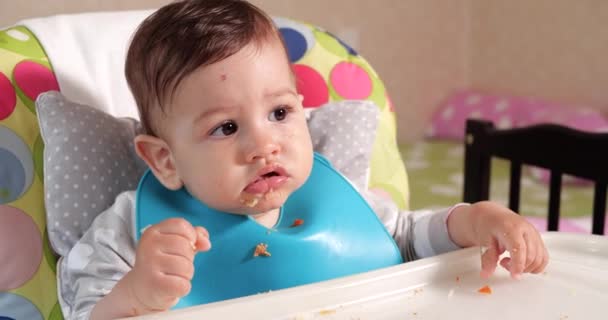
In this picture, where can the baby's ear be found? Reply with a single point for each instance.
(157, 155)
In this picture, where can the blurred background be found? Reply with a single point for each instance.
(428, 51)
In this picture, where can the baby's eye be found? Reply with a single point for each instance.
(225, 129)
(278, 114)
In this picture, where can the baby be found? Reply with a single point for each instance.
(223, 121)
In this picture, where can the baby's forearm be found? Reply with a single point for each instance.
(116, 304)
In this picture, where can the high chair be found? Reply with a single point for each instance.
(82, 56)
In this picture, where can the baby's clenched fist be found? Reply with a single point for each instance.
(164, 264)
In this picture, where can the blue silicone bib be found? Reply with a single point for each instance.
(340, 235)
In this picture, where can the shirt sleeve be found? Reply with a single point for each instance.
(104, 254)
(418, 234)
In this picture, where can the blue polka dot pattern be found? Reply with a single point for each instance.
(348, 48)
(16, 166)
(12, 176)
(295, 42)
(299, 38)
(15, 307)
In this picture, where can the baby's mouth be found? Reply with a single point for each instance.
(269, 178)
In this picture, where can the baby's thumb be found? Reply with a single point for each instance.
(202, 239)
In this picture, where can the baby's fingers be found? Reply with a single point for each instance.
(489, 260)
(544, 263)
(533, 255)
(538, 261)
(202, 239)
(178, 226)
(518, 251)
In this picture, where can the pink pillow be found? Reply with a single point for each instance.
(508, 112)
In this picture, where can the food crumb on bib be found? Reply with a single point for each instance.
(261, 250)
(297, 222)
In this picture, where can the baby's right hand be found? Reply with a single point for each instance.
(164, 264)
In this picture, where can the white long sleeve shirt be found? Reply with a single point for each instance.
(106, 252)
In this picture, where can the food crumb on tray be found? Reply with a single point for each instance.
(485, 290)
(326, 312)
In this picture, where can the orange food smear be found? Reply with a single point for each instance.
(485, 290)
(261, 250)
(297, 222)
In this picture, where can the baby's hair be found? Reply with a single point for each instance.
(182, 37)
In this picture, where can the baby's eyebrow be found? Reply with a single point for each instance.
(211, 111)
(281, 92)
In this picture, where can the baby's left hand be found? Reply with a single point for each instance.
(499, 229)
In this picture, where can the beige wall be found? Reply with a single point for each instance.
(417, 46)
(555, 49)
(424, 49)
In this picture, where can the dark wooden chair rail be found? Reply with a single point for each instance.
(560, 149)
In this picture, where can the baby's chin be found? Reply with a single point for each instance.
(260, 203)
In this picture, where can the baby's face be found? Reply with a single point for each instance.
(237, 132)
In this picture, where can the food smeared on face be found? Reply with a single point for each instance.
(250, 202)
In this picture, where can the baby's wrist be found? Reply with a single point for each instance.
(136, 305)
(461, 225)
(454, 208)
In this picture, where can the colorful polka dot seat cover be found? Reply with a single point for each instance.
(326, 68)
(27, 276)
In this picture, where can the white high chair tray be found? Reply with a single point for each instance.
(574, 286)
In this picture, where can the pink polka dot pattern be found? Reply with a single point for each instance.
(351, 81)
(311, 85)
(8, 99)
(20, 262)
(33, 79)
(389, 102)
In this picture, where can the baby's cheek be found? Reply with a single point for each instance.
(211, 186)
(300, 133)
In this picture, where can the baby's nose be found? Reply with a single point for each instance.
(263, 145)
